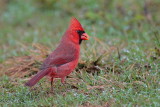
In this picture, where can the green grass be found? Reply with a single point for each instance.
(131, 79)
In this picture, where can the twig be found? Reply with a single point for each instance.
(119, 55)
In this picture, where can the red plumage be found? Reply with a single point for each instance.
(63, 60)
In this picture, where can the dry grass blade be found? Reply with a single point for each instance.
(101, 87)
(96, 65)
(29, 65)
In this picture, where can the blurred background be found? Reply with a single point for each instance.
(44, 21)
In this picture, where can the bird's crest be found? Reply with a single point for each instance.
(75, 24)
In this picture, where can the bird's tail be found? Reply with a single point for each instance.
(37, 77)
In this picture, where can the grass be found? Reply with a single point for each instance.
(124, 36)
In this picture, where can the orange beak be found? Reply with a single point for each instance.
(84, 36)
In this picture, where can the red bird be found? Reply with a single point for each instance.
(63, 60)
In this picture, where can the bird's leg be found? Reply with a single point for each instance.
(63, 80)
(51, 74)
(51, 84)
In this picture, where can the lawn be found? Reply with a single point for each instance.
(119, 65)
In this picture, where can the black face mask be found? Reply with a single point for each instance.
(80, 32)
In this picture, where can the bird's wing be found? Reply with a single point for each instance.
(62, 54)
(52, 61)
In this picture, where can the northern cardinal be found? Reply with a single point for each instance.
(63, 60)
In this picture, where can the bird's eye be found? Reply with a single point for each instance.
(80, 32)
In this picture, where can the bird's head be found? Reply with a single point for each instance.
(76, 32)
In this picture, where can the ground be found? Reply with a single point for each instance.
(119, 65)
